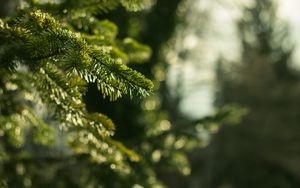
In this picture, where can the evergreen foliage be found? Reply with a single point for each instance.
(51, 53)
(50, 58)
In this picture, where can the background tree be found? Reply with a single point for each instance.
(262, 150)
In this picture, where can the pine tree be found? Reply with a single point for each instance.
(49, 52)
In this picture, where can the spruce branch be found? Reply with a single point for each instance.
(73, 53)
(58, 63)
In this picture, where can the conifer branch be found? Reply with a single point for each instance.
(45, 56)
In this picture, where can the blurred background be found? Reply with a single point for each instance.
(207, 56)
(244, 53)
